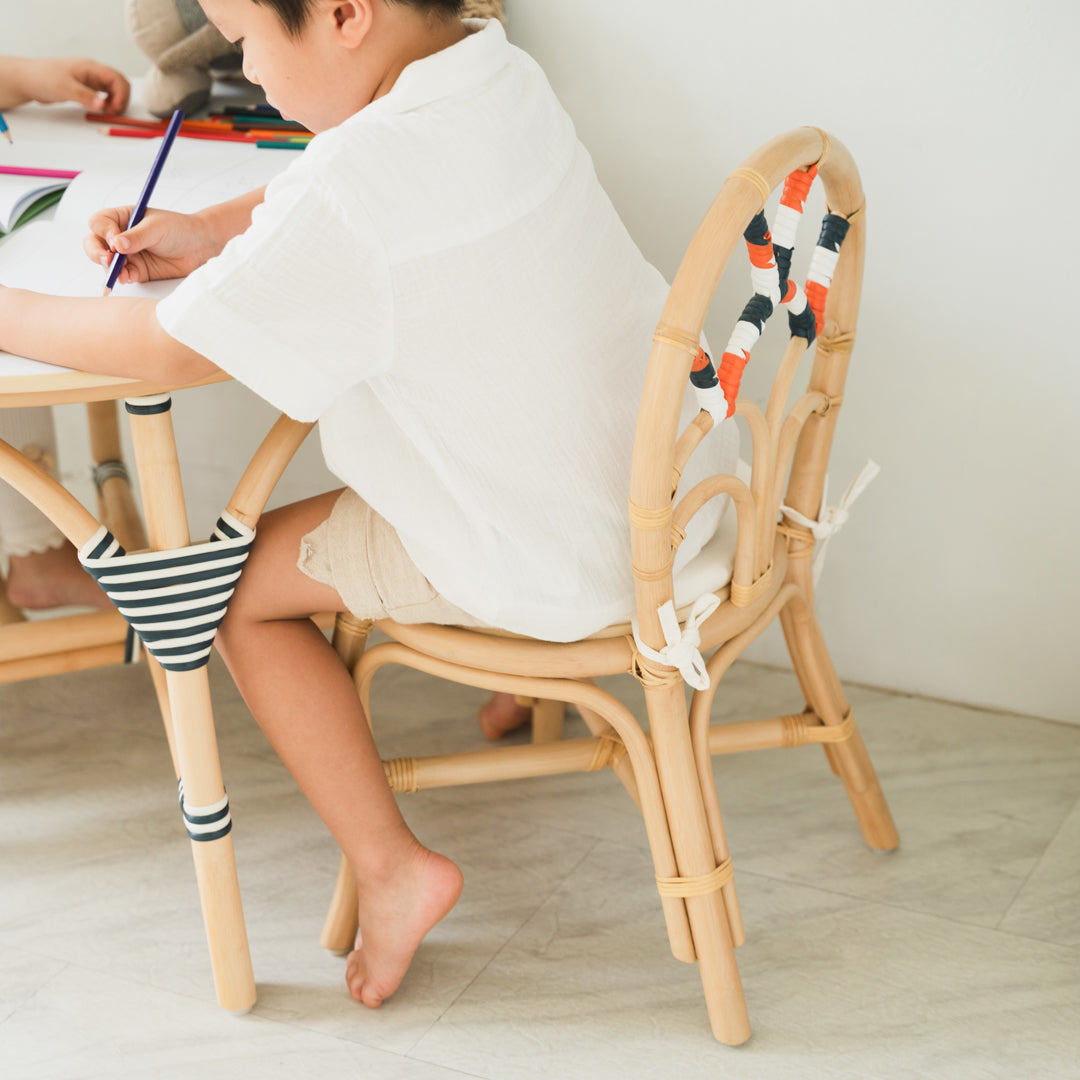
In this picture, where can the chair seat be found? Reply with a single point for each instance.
(607, 652)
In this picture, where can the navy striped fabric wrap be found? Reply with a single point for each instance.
(206, 823)
(174, 600)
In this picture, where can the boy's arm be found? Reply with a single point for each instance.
(116, 335)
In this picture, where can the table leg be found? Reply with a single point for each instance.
(205, 802)
(116, 505)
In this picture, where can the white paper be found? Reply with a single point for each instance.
(47, 255)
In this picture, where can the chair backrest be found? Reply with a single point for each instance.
(800, 438)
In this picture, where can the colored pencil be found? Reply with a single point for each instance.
(269, 127)
(20, 170)
(224, 136)
(144, 196)
(4, 129)
(247, 110)
(239, 123)
(282, 144)
(213, 136)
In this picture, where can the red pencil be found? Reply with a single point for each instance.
(143, 133)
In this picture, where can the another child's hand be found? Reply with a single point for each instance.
(90, 84)
(163, 245)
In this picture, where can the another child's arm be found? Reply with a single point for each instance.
(93, 85)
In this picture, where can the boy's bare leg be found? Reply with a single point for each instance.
(52, 578)
(304, 700)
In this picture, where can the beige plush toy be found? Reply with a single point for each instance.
(188, 52)
(483, 9)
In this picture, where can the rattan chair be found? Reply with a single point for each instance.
(668, 771)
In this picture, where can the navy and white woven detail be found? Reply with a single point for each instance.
(205, 823)
(148, 406)
(174, 600)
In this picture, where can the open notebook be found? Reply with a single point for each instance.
(47, 255)
(23, 197)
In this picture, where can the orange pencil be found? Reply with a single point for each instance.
(218, 136)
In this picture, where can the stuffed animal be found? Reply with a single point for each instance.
(188, 53)
(483, 9)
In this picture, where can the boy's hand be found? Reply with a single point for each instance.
(166, 244)
(90, 84)
(163, 245)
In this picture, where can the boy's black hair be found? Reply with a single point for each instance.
(294, 13)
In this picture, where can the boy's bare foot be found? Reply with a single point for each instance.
(502, 714)
(52, 578)
(395, 915)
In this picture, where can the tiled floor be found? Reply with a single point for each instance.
(956, 957)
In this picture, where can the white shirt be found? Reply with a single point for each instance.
(442, 282)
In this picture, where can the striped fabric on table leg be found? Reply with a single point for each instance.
(174, 600)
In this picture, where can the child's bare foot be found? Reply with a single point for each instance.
(395, 915)
(502, 714)
(52, 578)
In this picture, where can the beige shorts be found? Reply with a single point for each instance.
(358, 552)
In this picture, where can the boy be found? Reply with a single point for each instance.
(475, 363)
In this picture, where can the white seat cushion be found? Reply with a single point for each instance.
(711, 568)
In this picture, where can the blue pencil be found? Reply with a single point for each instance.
(118, 260)
(4, 128)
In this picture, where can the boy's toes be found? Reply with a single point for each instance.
(362, 988)
(354, 974)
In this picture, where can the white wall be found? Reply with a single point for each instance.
(71, 28)
(953, 577)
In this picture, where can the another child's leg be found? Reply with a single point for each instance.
(304, 700)
(501, 714)
(43, 569)
(52, 578)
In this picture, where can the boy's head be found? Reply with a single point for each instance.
(320, 61)
(294, 13)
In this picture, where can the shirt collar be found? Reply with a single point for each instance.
(464, 65)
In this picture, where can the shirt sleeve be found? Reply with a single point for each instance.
(298, 307)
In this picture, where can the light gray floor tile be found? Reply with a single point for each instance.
(101, 874)
(976, 798)
(554, 963)
(505, 883)
(22, 975)
(836, 986)
(81, 1025)
(1048, 906)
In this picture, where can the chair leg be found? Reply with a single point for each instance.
(696, 860)
(849, 759)
(702, 702)
(339, 929)
(547, 721)
(341, 924)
